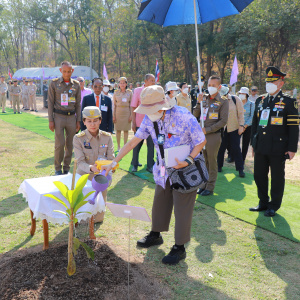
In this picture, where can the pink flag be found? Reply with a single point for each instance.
(9, 74)
(105, 72)
(234, 72)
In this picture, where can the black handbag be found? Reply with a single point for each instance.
(187, 179)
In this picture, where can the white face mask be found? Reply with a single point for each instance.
(212, 90)
(185, 91)
(242, 96)
(106, 89)
(156, 116)
(271, 88)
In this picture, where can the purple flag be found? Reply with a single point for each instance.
(234, 72)
(105, 72)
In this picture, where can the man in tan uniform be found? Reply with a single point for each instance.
(25, 95)
(184, 98)
(32, 94)
(64, 115)
(92, 144)
(3, 91)
(10, 84)
(15, 94)
(215, 116)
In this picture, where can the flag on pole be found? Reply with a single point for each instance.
(157, 72)
(105, 72)
(234, 72)
(9, 74)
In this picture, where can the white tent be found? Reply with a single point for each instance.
(50, 73)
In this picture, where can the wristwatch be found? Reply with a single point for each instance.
(113, 164)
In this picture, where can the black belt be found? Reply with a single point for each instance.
(64, 112)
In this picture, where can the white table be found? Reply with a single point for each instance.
(42, 207)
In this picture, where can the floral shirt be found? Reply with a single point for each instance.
(180, 127)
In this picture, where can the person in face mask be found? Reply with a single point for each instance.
(215, 116)
(176, 126)
(195, 91)
(274, 139)
(184, 99)
(103, 102)
(171, 91)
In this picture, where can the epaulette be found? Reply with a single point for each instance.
(76, 81)
(55, 79)
(287, 95)
(80, 134)
(105, 133)
(224, 97)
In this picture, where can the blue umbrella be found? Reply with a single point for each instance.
(181, 12)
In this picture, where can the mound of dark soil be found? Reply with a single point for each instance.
(43, 275)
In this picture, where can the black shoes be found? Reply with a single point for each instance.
(230, 159)
(134, 169)
(241, 174)
(219, 169)
(149, 170)
(270, 212)
(149, 240)
(65, 172)
(176, 254)
(200, 191)
(206, 193)
(139, 165)
(58, 172)
(258, 208)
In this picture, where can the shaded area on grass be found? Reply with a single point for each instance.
(12, 205)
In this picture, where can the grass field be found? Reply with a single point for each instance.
(227, 258)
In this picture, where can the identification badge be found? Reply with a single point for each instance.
(124, 99)
(264, 118)
(276, 120)
(161, 139)
(204, 114)
(162, 171)
(64, 99)
(104, 108)
(213, 116)
(87, 145)
(72, 99)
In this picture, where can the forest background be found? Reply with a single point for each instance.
(36, 33)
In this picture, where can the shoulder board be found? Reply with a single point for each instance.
(105, 133)
(80, 134)
(287, 96)
(76, 81)
(55, 79)
(224, 97)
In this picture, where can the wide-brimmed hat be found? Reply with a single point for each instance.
(171, 86)
(224, 90)
(153, 99)
(244, 90)
(106, 82)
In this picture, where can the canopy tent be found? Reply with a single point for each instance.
(50, 73)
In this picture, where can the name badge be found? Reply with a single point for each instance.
(124, 99)
(204, 114)
(264, 117)
(162, 171)
(213, 116)
(276, 120)
(104, 108)
(161, 139)
(64, 99)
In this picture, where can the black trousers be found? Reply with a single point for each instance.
(150, 153)
(262, 164)
(235, 149)
(246, 141)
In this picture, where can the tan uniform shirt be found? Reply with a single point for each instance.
(88, 149)
(3, 87)
(184, 101)
(25, 90)
(72, 91)
(15, 90)
(216, 113)
(236, 114)
(32, 90)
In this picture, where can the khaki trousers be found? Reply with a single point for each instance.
(16, 101)
(3, 101)
(32, 102)
(211, 154)
(164, 201)
(63, 144)
(25, 99)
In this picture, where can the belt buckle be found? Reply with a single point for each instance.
(69, 113)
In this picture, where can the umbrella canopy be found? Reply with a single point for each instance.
(50, 73)
(181, 12)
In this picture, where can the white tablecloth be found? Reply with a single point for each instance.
(43, 207)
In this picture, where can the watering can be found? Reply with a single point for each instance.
(100, 183)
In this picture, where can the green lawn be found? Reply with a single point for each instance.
(227, 258)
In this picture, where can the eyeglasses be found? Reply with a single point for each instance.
(254, 90)
(81, 81)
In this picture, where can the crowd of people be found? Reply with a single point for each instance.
(210, 120)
